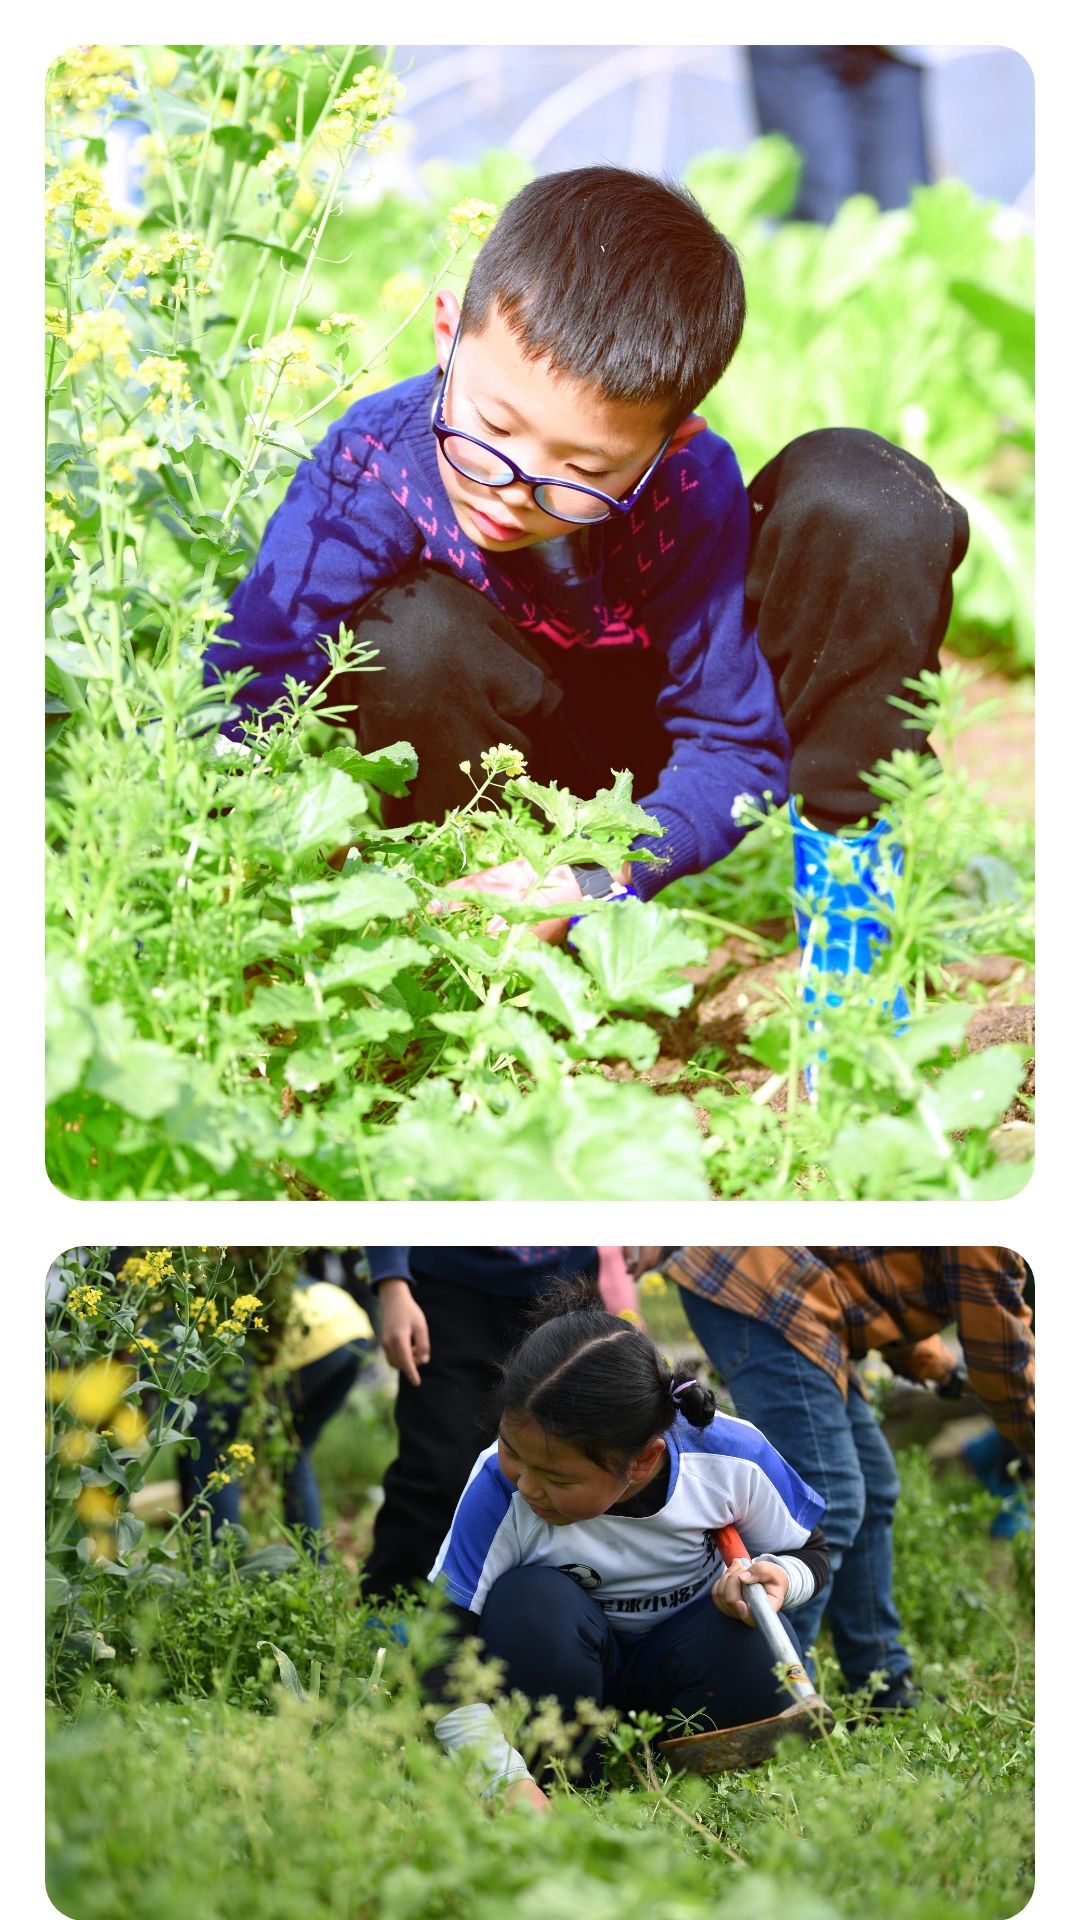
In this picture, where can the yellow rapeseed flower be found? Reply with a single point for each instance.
(56, 322)
(97, 1506)
(122, 456)
(88, 78)
(652, 1285)
(77, 192)
(289, 358)
(128, 1426)
(503, 759)
(241, 1453)
(245, 1305)
(96, 1391)
(99, 336)
(340, 323)
(58, 522)
(84, 1301)
(470, 219)
(361, 109)
(204, 1310)
(167, 380)
(402, 291)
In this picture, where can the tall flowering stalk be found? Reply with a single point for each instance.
(188, 202)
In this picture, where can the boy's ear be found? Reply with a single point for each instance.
(686, 430)
(447, 315)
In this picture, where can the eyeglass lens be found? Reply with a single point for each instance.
(484, 465)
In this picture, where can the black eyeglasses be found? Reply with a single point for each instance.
(475, 460)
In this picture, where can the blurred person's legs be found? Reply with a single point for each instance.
(839, 1450)
(214, 1427)
(856, 115)
(315, 1394)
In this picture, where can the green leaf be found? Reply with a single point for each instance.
(290, 1679)
(69, 1033)
(73, 658)
(882, 1155)
(977, 1091)
(371, 963)
(632, 952)
(129, 1531)
(140, 1076)
(278, 1558)
(286, 254)
(391, 769)
(629, 1040)
(316, 807)
(1013, 324)
(350, 903)
(559, 988)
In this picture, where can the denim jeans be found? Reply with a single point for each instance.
(840, 1451)
(855, 113)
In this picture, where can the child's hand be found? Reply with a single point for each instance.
(517, 880)
(403, 1329)
(727, 1590)
(526, 1793)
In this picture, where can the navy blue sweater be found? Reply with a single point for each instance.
(514, 1271)
(370, 505)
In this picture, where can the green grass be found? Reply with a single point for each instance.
(191, 1782)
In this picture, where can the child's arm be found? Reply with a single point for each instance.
(719, 707)
(336, 537)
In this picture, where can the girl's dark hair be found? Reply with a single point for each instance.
(595, 1380)
(620, 279)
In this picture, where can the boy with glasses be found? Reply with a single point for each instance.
(550, 550)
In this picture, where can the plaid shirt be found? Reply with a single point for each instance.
(836, 1303)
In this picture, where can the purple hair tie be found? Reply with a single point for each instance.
(675, 1391)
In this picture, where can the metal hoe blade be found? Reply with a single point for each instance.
(733, 1748)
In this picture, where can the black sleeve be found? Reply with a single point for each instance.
(815, 1555)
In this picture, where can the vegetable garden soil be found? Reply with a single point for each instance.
(733, 986)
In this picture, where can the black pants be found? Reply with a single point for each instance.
(854, 545)
(442, 1425)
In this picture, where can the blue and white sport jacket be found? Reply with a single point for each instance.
(638, 1568)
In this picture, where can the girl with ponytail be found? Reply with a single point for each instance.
(583, 1550)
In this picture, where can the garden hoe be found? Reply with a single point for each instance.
(737, 1747)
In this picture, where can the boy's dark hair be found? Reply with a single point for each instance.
(620, 279)
(595, 1380)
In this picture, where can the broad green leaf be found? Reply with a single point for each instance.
(933, 1034)
(371, 963)
(351, 902)
(140, 1076)
(69, 1032)
(559, 988)
(283, 1005)
(632, 952)
(882, 1156)
(629, 1040)
(977, 1091)
(391, 769)
(314, 807)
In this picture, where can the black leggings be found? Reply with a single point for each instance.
(854, 545)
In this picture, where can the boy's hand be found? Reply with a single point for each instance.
(403, 1329)
(517, 880)
(728, 1589)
